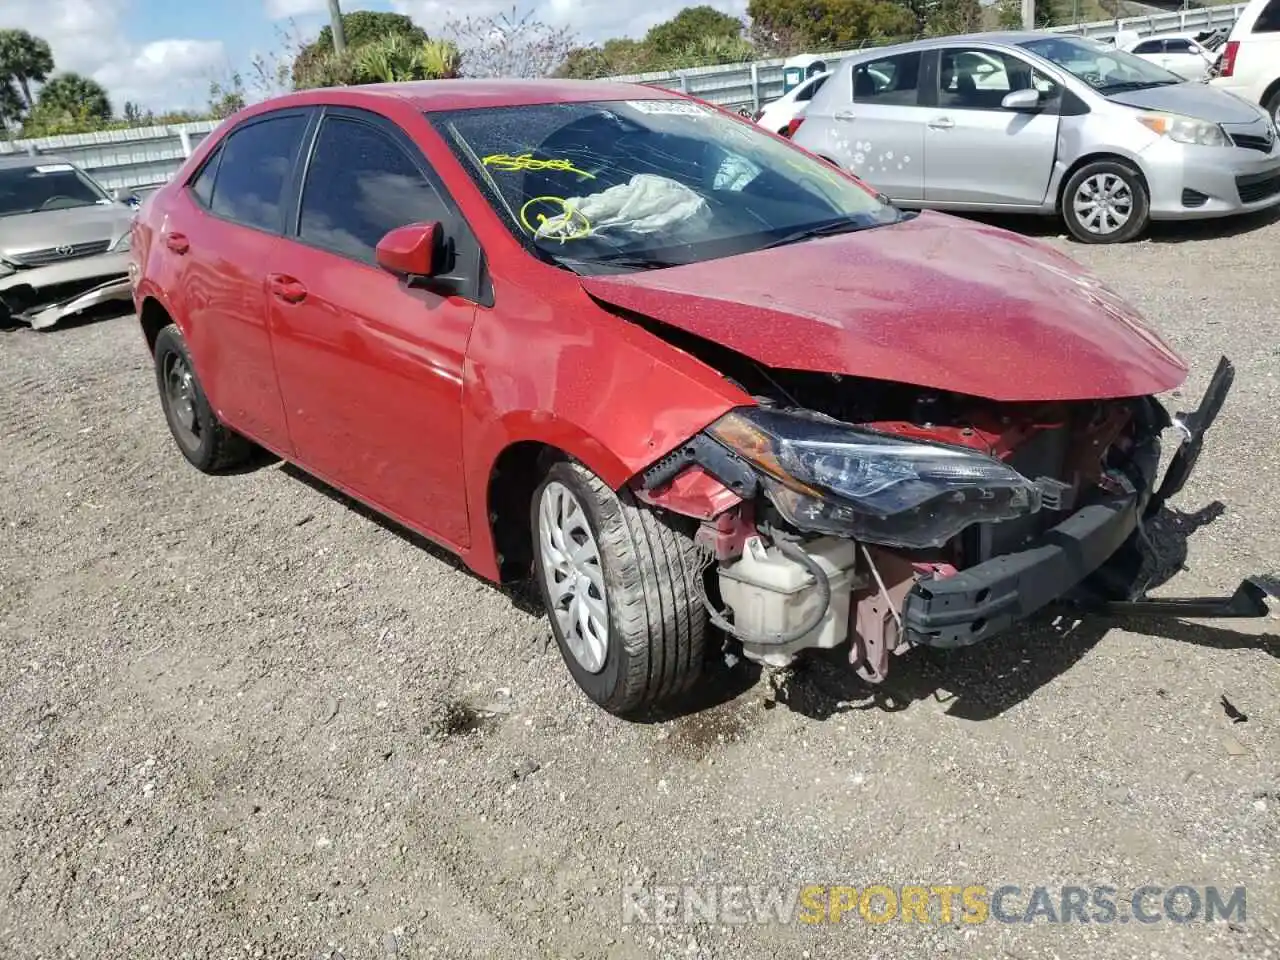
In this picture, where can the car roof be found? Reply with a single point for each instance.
(1005, 38)
(430, 95)
(26, 161)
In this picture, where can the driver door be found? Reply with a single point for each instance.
(977, 152)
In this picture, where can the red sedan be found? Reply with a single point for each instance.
(704, 387)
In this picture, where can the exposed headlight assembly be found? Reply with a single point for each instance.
(1182, 129)
(831, 478)
(122, 243)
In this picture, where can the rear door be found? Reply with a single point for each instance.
(221, 237)
(878, 129)
(977, 152)
(371, 368)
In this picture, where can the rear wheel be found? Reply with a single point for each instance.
(201, 436)
(1106, 202)
(622, 589)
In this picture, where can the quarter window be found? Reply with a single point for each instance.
(1149, 46)
(1269, 19)
(360, 185)
(892, 81)
(202, 185)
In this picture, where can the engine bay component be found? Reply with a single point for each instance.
(780, 604)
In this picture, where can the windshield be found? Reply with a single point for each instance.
(53, 186)
(1103, 67)
(643, 184)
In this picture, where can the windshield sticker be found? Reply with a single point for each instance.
(527, 161)
(54, 168)
(667, 106)
(566, 222)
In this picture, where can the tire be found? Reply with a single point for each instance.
(649, 647)
(203, 439)
(1272, 106)
(1123, 193)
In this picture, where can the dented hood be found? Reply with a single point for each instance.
(934, 301)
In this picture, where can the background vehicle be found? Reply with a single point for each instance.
(1250, 63)
(64, 241)
(1178, 53)
(1063, 125)
(777, 116)
(540, 323)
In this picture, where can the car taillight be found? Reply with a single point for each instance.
(792, 127)
(1228, 67)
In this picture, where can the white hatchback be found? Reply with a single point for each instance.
(777, 115)
(1178, 53)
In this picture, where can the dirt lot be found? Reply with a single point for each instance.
(241, 718)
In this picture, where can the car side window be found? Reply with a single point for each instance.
(1149, 46)
(1179, 46)
(360, 185)
(981, 79)
(202, 185)
(808, 92)
(892, 81)
(1269, 19)
(253, 172)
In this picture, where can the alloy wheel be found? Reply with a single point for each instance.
(573, 575)
(1103, 203)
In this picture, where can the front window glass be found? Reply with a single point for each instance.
(1104, 68)
(981, 79)
(50, 186)
(638, 184)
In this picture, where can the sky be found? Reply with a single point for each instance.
(162, 54)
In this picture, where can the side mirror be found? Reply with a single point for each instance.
(411, 251)
(1021, 100)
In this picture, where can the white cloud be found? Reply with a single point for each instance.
(284, 9)
(88, 37)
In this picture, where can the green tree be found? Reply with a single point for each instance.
(949, 17)
(74, 95)
(24, 60)
(618, 57)
(315, 60)
(690, 27)
(819, 25)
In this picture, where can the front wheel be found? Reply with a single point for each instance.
(1106, 202)
(622, 588)
(1273, 107)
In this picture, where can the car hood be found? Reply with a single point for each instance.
(52, 228)
(934, 301)
(1197, 100)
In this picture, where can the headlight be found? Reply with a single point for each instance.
(833, 478)
(1185, 129)
(122, 243)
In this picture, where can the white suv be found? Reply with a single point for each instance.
(1250, 64)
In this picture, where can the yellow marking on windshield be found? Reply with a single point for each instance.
(527, 161)
(576, 225)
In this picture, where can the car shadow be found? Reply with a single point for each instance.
(1163, 231)
(984, 681)
(522, 595)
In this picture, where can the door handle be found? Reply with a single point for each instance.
(845, 115)
(286, 288)
(941, 123)
(177, 242)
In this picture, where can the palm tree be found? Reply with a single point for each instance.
(74, 95)
(24, 60)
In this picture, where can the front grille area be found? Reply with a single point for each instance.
(1250, 142)
(70, 251)
(1259, 186)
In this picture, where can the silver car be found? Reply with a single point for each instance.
(1043, 123)
(64, 241)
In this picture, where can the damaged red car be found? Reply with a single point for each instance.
(703, 387)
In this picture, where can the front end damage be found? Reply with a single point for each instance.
(847, 513)
(42, 292)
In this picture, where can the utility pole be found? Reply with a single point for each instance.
(340, 36)
(1028, 13)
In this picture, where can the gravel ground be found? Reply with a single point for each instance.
(241, 718)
